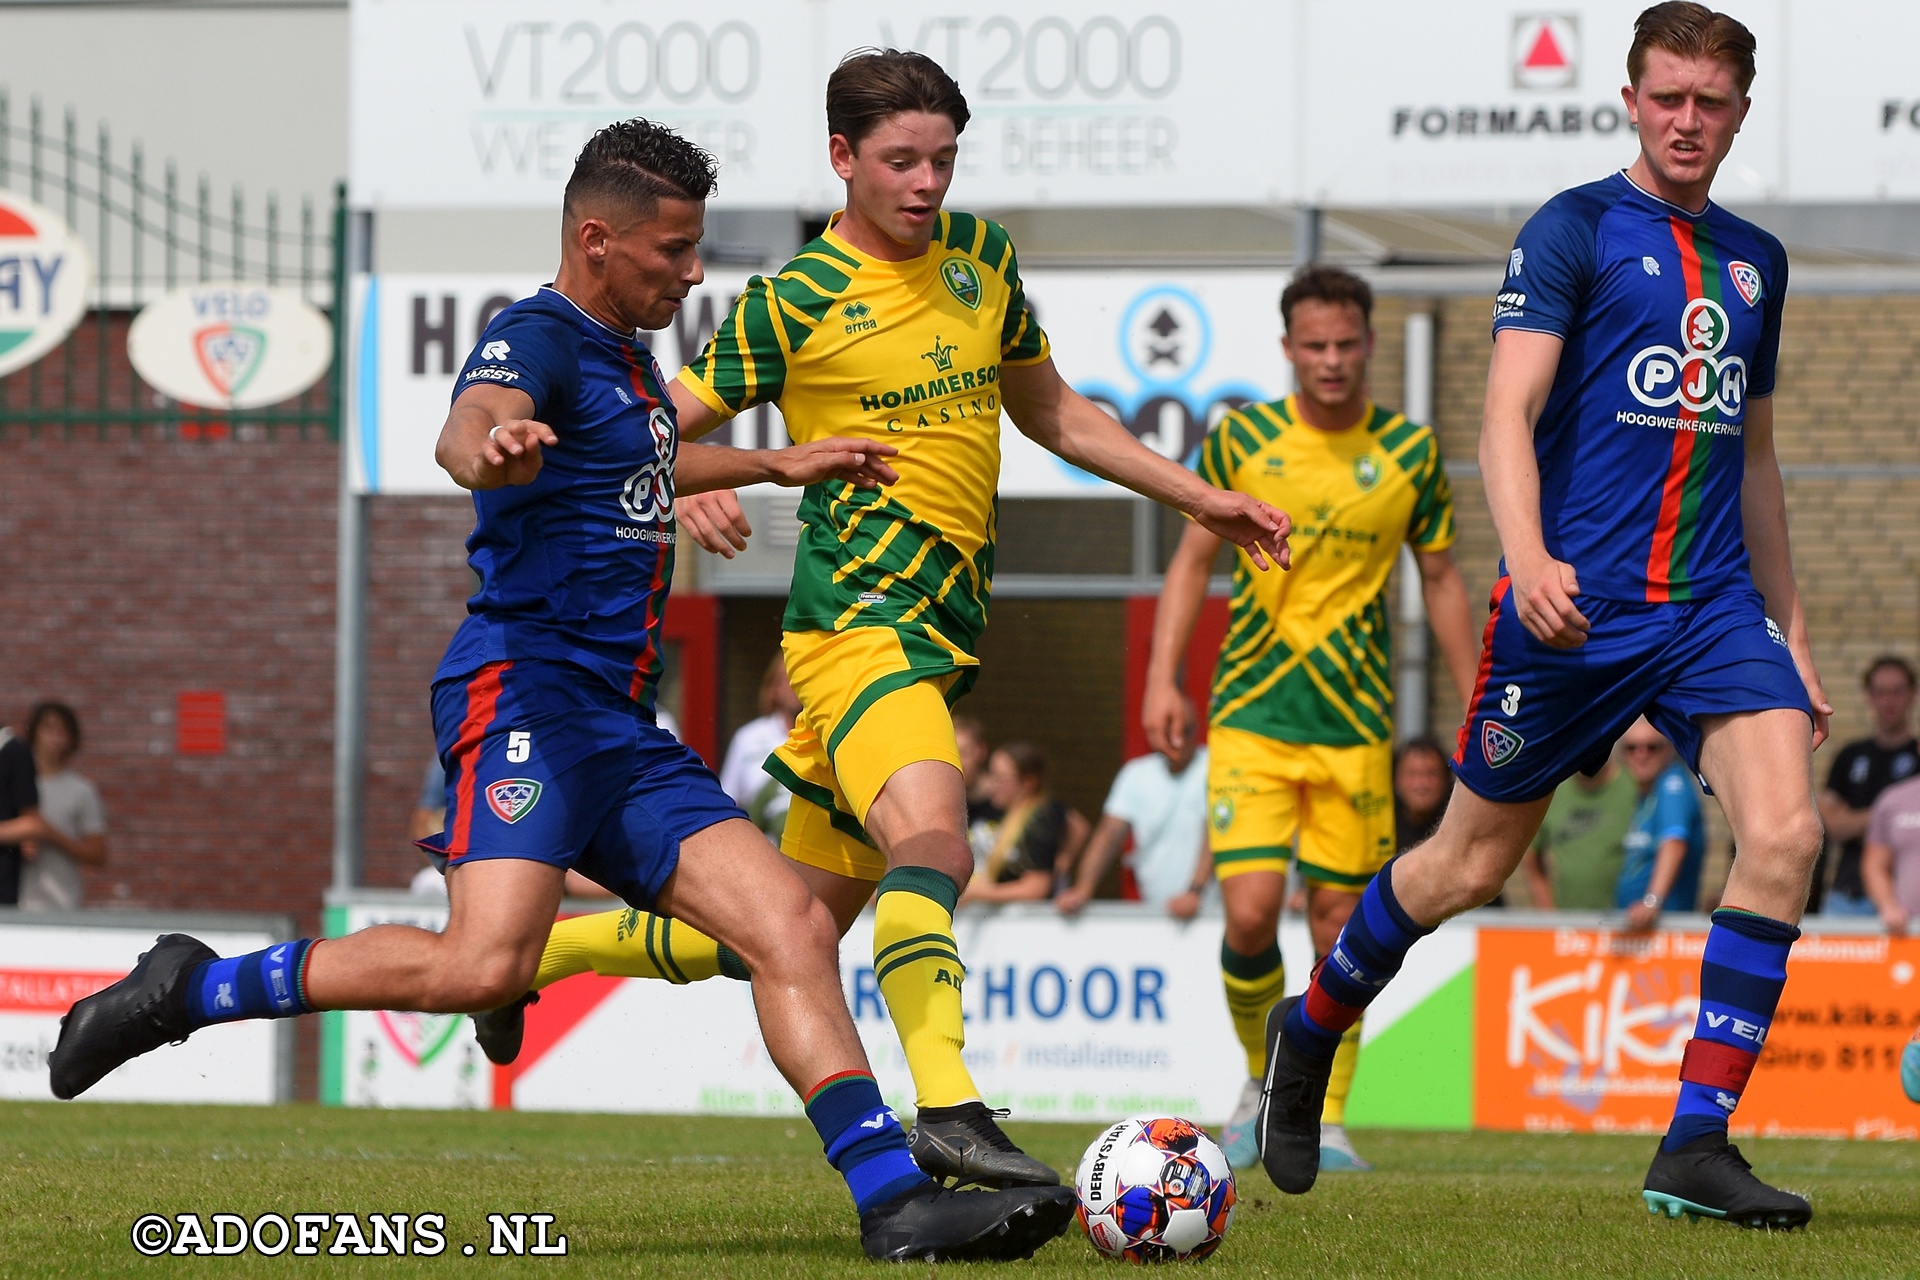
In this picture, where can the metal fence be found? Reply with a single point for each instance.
(147, 239)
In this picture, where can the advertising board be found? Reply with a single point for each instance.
(1165, 352)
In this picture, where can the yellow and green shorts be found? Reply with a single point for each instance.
(872, 701)
(1264, 795)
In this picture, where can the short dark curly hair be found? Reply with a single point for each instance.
(1320, 283)
(638, 163)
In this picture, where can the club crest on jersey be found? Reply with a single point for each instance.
(513, 798)
(1498, 743)
(1746, 278)
(962, 281)
(1366, 471)
(1222, 813)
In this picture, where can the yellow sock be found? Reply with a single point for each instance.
(1254, 985)
(918, 968)
(633, 944)
(1345, 1059)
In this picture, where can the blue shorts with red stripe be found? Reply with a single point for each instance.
(1541, 714)
(547, 762)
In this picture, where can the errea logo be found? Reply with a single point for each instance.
(859, 317)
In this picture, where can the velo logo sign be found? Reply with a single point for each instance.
(1697, 377)
(231, 346)
(45, 276)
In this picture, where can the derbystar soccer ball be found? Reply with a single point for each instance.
(1155, 1189)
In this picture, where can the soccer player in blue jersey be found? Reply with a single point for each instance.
(1628, 453)
(543, 706)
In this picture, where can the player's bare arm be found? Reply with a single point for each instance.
(702, 468)
(491, 440)
(1062, 420)
(1450, 615)
(1521, 376)
(1165, 712)
(1763, 516)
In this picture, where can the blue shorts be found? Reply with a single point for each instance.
(549, 763)
(1541, 714)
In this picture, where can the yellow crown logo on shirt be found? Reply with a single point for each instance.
(941, 355)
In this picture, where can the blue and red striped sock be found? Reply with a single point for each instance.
(863, 1138)
(263, 984)
(1364, 959)
(1742, 973)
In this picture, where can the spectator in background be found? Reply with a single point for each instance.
(1575, 861)
(1039, 837)
(1890, 860)
(983, 815)
(70, 806)
(1422, 783)
(1160, 800)
(1860, 773)
(742, 774)
(1667, 839)
(19, 811)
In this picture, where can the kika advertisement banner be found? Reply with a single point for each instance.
(485, 103)
(1167, 353)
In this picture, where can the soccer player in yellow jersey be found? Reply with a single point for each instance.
(1300, 741)
(907, 324)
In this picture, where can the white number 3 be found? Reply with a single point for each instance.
(1509, 705)
(520, 745)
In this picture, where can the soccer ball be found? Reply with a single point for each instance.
(1155, 1189)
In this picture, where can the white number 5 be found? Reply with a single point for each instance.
(1508, 706)
(520, 745)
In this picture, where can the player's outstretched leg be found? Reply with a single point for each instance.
(1758, 763)
(733, 886)
(622, 944)
(1254, 977)
(1304, 1033)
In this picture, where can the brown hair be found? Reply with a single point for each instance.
(871, 84)
(1885, 661)
(54, 711)
(1029, 761)
(1689, 30)
(1325, 284)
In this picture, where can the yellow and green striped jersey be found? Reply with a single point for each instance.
(905, 352)
(1308, 653)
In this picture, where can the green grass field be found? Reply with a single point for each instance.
(663, 1196)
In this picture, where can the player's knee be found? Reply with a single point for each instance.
(1791, 841)
(487, 982)
(801, 934)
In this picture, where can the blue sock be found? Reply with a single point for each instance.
(1364, 959)
(863, 1138)
(1742, 973)
(265, 984)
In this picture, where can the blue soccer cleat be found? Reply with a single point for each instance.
(1240, 1140)
(1910, 1068)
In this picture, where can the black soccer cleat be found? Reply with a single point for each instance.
(1709, 1178)
(1291, 1098)
(934, 1224)
(500, 1031)
(964, 1146)
(136, 1015)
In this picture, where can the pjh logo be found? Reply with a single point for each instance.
(1570, 1021)
(1546, 51)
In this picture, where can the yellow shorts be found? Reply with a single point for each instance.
(1263, 794)
(872, 701)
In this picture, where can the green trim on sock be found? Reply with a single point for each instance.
(731, 965)
(944, 939)
(1249, 968)
(925, 953)
(925, 881)
(671, 969)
